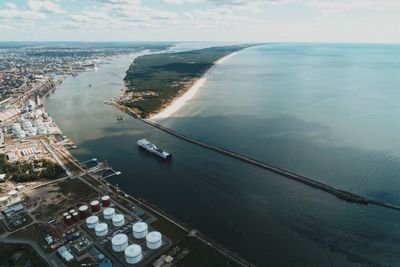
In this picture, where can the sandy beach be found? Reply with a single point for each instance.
(179, 102)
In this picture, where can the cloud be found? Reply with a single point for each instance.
(25, 15)
(112, 14)
(9, 5)
(126, 2)
(45, 6)
(329, 7)
(12, 18)
(196, 19)
(181, 2)
(6, 27)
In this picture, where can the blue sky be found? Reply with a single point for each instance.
(201, 20)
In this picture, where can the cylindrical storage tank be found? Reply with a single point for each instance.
(3, 200)
(75, 216)
(133, 254)
(95, 205)
(68, 220)
(65, 214)
(118, 220)
(119, 242)
(101, 229)
(42, 131)
(108, 213)
(71, 211)
(139, 230)
(21, 134)
(31, 133)
(16, 126)
(13, 194)
(84, 211)
(106, 201)
(92, 221)
(153, 240)
(37, 123)
(27, 125)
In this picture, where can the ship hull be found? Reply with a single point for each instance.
(157, 153)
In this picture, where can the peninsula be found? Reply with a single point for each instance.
(154, 81)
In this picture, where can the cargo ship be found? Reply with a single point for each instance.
(152, 148)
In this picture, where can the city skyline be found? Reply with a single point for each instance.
(201, 20)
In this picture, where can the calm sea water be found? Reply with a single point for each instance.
(330, 112)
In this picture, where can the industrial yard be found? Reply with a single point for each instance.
(57, 211)
(84, 220)
(67, 212)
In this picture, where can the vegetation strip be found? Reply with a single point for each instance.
(154, 81)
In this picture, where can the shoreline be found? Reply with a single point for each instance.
(113, 190)
(181, 100)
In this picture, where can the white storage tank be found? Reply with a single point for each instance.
(31, 132)
(108, 213)
(139, 230)
(133, 254)
(13, 194)
(3, 200)
(92, 221)
(119, 242)
(42, 130)
(16, 126)
(118, 220)
(37, 123)
(153, 240)
(101, 229)
(26, 124)
(20, 134)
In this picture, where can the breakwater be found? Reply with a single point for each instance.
(341, 194)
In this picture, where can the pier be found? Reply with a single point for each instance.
(341, 194)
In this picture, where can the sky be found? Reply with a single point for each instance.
(372, 21)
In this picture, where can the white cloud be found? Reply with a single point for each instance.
(342, 6)
(45, 6)
(181, 2)
(120, 15)
(9, 5)
(293, 20)
(12, 18)
(16, 14)
(5, 27)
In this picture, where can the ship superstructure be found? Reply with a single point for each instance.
(152, 148)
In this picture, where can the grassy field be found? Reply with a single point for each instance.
(19, 255)
(48, 200)
(155, 80)
(24, 171)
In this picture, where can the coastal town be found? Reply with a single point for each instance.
(57, 211)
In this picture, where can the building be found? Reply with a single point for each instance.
(65, 254)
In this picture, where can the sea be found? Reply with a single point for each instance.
(330, 112)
